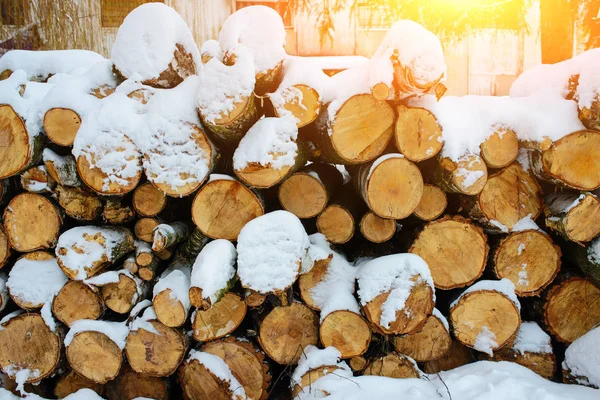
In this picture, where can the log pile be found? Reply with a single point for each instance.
(197, 226)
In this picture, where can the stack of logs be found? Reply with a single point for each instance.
(127, 334)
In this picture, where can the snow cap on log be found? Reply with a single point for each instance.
(214, 269)
(217, 367)
(155, 43)
(582, 360)
(273, 250)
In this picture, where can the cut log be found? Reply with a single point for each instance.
(117, 211)
(296, 326)
(129, 385)
(19, 149)
(337, 223)
(307, 192)
(393, 365)
(31, 222)
(192, 246)
(85, 251)
(588, 259)
(417, 133)
(529, 259)
(254, 299)
(401, 304)
(61, 125)
(71, 382)
(168, 235)
(94, 349)
(346, 331)
(223, 206)
(358, 364)
(79, 202)
(581, 361)
(220, 320)
(170, 294)
(433, 203)
(144, 229)
(4, 295)
(143, 253)
(571, 308)
(130, 265)
(148, 201)
(457, 356)
(152, 348)
(376, 229)
(63, 169)
(507, 197)
(27, 343)
(486, 316)
(391, 186)
(531, 349)
(5, 250)
(455, 251)
(309, 280)
(573, 161)
(77, 300)
(34, 280)
(37, 180)
(357, 132)
(300, 101)
(500, 149)
(122, 295)
(149, 272)
(430, 343)
(576, 217)
(467, 176)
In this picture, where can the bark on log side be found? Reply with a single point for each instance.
(376, 229)
(71, 382)
(61, 125)
(63, 169)
(5, 249)
(31, 222)
(500, 149)
(393, 365)
(346, 331)
(358, 133)
(129, 385)
(220, 320)
(455, 251)
(587, 258)
(19, 149)
(430, 343)
(79, 202)
(575, 217)
(301, 101)
(468, 176)
(37, 180)
(433, 203)
(77, 300)
(417, 133)
(229, 128)
(507, 197)
(168, 235)
(117, 211)
(222, 207)
(148, 201)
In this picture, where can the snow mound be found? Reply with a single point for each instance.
(582, 358)
(35, 281)
(148, 38)
(143, 321)
(320, 248)
(531, 338)
(42, 64)
(312, 357)
(28, 105)
(214, 268)
(177, 280)
(115, 331)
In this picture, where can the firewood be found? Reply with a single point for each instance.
(571, 161)
(529, 259)
(148, 201)
(500, 149)
(130, 265)
(61, 125)
(507, 197)
(486, 316)
(455, 251)
(220, 320)
(4, 295)
(358, 363)
(27, 343)
(120, 290)
(301, 101)
(5, 249)
(31, 222)
(457, 356)
(79, 202)
(297, 327)
(337, 223)
(356, 131)
(117, 212)
(37, 180)
(63, 169)
(152, 348)
(391, 186)
(144, 228)
(307, 192)
(347, 331)
(20, 149)
(430, 343)
(223, 206)
(313, 365)
(101, 247)
(170, 294)
(401, 304)
(376, 229)
(168, 235)
(150, 271)
(576, 217)
(578, 367)
(129, 385)
(253, 299)
(77, 300)
(393, 365)
(433, 203)
(562, 312)
(468, 176)
(71, 382)
(417, 133)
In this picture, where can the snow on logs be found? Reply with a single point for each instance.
(581, 360)
(574, 216)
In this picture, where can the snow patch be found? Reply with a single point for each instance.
(504, 286)
(531, 338)
(220, 369)
(35, 282)
(582, 358)
(115, 331)
(214, 268)
(42, 64)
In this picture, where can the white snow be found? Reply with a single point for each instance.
(20, 375)
(224, 87)
(220, 177)
(559, 203)
(440, 316)
(271, 142)
(177, 280)
(593, 251)
(504, 286)
(336, 63)
(531, 338)
(3, 291)
(10, 316)
(396, 274)
(212, 48)
(261, 30)
(115, 331)
(42, 64)
(27, 107)
(37, 186)
(320, 248)
(35, 282)
(312, 357)
(220, 369)
(80, 253)
(143, 321)
(48, 317)
(272, 250)
(499, 225)
(147, 39)
(343, 86)
(113, 277)
(582, 358)
(380, 160)
(525, 224)
(485, 341)
(214, 268)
